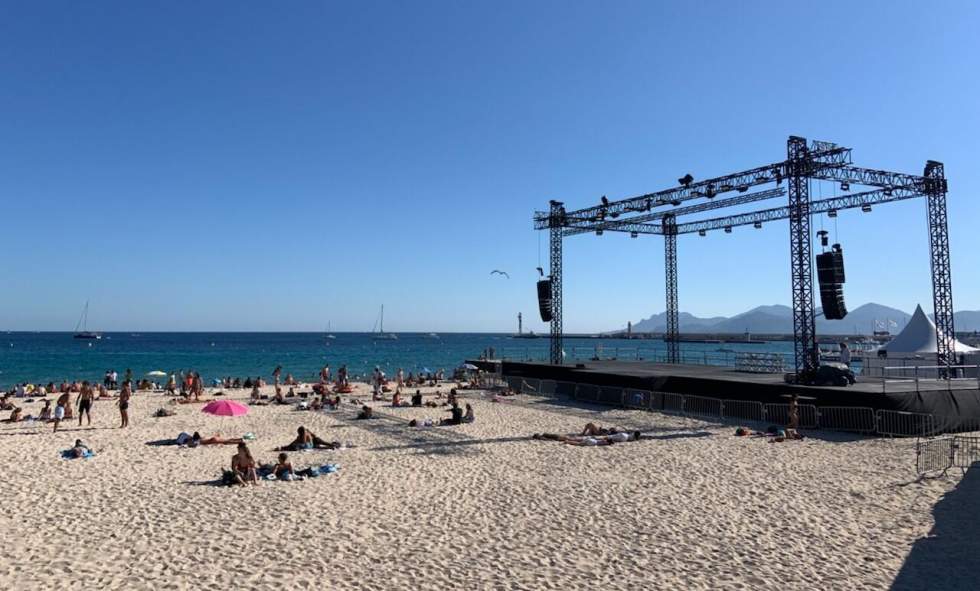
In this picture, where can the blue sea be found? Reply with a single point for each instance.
(50, 356)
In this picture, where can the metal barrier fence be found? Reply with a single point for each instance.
(565, 389)
(702, 406)
(636, 399)
(587, 392)
(966, 451)
(530, 386)
(857, 419)
(939, 455)
(747, 410)
(759, 362)
(779, 414)
(935, 455)
(671, 403)
(904, 424)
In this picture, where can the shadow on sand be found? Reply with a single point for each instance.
(949, 557)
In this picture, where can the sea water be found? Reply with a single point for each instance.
(50, 356)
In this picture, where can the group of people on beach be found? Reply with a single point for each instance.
(86, 394)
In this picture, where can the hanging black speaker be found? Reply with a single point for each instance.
(544, 299)
(830, 275)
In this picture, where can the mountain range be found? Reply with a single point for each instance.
(778, 319)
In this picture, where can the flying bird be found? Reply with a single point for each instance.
(498, 272)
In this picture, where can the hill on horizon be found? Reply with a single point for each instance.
(778, 319)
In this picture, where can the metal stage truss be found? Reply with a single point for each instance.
(659, 213)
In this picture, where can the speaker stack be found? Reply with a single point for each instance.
(544, 299)
(830, 275)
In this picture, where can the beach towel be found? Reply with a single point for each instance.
(68, 454)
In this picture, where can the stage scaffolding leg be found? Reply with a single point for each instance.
(556, 223)
(942, 285)
(672, 333)
(804, 329)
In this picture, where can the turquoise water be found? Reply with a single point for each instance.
(43, 357)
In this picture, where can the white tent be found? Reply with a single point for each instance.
(919, 339)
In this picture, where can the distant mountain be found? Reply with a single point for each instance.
(860, 320)
(778, 319)
(688, 323)
(966, 320)
(763, 319)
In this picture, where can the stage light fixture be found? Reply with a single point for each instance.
(865, 208)
(634, 234)
(702, 233)
(757, 225)
(832, 213)
(728, 229)
(686, 180)
(845, 186)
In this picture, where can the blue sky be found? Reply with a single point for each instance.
(268, 166)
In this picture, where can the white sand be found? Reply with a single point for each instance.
(475, 506)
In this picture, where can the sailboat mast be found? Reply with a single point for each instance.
(382, 318)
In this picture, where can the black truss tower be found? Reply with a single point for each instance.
(672, 335)
(557, 222)
(942, 285)
(804, 329)
(660, 213)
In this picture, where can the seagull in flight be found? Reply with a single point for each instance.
(499, 272)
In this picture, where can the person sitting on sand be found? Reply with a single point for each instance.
(591, 429)
(243, 466)
(15, 415)
(306, 439)
(79, 450)
(366, 413)
(278, 398)
(396, 398)
(457, 415)
(283, 469)
(417, 398)
(469, 417)
(45, 414)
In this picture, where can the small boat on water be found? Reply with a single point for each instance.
(85, 333)
(381, 335)
(329, 334)
(432, 335)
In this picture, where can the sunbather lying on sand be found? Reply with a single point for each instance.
(591, 440)
(79, 449)
(306, 439)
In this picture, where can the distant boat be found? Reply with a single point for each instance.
(329, 336)
(381, 335)
(432, 335)
(84, 333)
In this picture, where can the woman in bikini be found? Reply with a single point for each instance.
(243, 466)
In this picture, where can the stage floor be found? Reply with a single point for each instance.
(725, 382)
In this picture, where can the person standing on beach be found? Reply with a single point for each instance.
(113, 379)
(129, 376)
(325, 374)
(197, 386)
(59, 411)
(124, 396)
(276, 373)
(400, 377)
(85, 399)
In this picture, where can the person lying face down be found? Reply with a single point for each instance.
(591, 440)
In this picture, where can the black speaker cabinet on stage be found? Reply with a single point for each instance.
(544, 299)
(830, 275)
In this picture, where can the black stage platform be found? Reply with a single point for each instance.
(722, 382)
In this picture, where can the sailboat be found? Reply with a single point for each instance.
(381, 335)
(329, 336)
(84, 333)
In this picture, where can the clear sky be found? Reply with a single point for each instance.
(275, 166)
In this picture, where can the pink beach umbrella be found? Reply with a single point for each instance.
(225, 408)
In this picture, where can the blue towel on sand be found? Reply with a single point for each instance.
(68, 455)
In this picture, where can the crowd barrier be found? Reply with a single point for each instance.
(856, 419)
(939, 455)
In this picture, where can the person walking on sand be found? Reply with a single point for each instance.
(85, 399)
(124, 396)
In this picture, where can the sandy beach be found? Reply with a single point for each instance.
(475, 506)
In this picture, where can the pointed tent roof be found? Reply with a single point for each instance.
(919, 338)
